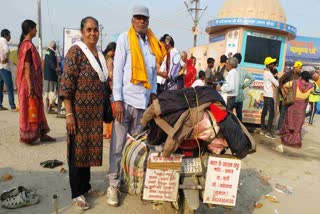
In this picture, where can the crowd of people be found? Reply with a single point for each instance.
(295, 89)
(130, 74)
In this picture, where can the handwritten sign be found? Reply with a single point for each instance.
(222, 181)
(162, 178)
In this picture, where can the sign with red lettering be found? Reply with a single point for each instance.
(222, 181)
(162, 178)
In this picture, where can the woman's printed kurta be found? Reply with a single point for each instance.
(81, 84)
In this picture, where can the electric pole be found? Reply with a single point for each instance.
(100, 36)
(195, 11)
(39, 27)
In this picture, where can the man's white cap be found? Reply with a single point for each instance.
(140, 10)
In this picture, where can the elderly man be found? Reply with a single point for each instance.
(51, 72)
(231, 87)
(5, 74)
(134, 85)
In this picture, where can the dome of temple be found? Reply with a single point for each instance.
(257, 9)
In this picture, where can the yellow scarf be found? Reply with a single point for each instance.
(139, 71)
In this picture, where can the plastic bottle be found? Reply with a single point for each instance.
(32, 111)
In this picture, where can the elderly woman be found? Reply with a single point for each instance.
(82, 87)
(29, 85)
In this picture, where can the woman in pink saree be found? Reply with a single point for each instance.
(295, 115)
(29, 85)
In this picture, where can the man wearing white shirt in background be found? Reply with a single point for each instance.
(5, 74)
(231, 86)
(200, 81)
(269, 82)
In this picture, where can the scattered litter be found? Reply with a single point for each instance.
(239, 185)
(284, 189)
(258, 205)
(63, 170)
(279, 148)
(156, 205)
(265, 179)
(271, 198)
(51, 164)
(6, 177)
(276, 211)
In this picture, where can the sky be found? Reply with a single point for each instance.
(166, 16)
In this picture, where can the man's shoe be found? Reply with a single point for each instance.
(270, 135)
(3, 108)
(262, 132)
(112, 196)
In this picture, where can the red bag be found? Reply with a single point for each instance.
(218, 113)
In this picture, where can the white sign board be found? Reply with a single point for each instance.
(162, 178)
(222, 181)
(70, 36)
(232, 42)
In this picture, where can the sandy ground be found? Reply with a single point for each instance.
(299, 169)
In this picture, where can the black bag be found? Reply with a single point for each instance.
(107, 108)
(239, 143)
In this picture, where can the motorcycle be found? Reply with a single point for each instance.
(192, 176)
(195, 153)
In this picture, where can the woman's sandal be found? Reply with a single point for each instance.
(80, 203)
(95, 193)
(20, 200)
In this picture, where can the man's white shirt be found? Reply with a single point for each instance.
(4, 52)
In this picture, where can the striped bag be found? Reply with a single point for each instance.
(133, 163)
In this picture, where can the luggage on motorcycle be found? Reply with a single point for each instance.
(238, 138)
(189, 148)
(206, 129)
